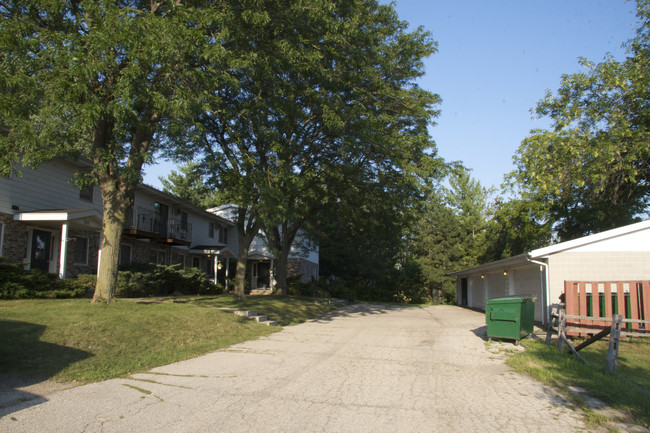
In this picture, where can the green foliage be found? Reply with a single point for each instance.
(517, 226)
(324, 100)
(145, 280)
(591, 171)
(449, 232)
(113, 82)
(189, 185)
(17, 283)
(136, 280)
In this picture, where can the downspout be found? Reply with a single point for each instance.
(547, 291)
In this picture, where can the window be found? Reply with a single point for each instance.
(211, 230)
(2, 236)
(223, 235)
(86, 193)
(158, 257)
(178, 259)
(196, 262)
(80, 255)
(125, 254)
(184, 220)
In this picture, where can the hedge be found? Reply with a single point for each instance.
(132, 281)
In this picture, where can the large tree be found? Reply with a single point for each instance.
(322, 87)
(110, 81)
(189, 184)
(592, 168)
(449, 232)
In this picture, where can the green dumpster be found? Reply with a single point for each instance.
(510, 317)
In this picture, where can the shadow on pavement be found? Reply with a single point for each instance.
(481, 332)
(26, 362)
(360, 310)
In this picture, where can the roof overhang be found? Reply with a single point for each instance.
(82, 219)
(259, 256)
(586, 240)
(510, 262)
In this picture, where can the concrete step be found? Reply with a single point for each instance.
(256, 292)
(246, 313)
(269, 323)
(259, 318)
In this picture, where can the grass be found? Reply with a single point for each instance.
(560, 370)
(72, 340)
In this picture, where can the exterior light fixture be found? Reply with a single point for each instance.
(482, 276)
(505, 273)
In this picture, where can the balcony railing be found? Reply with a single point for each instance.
(149, 225)
(179, 232)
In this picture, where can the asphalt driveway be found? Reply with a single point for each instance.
(360, 369)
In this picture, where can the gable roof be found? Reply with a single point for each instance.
(182, 203)
(586, 240)
(542, 253)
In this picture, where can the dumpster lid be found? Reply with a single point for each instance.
(514, 299)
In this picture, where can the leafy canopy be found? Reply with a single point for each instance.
(592, 169)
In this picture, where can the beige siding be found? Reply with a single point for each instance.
(49, 187)
(496, 283)
(476, 292)
(527, 280)
(522, 280)
(596, 266)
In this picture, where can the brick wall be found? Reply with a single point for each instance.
(73, 269)
(14, 244)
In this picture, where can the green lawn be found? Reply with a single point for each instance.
(73, 340)
(560, 370)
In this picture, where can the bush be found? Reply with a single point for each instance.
(134, 281)
(17, 283)
(146, 280)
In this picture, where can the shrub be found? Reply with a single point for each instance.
(134, 281)
(146, 280)
(17, 283)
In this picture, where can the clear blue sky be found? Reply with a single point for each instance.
(495, 60)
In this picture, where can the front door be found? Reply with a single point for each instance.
(41, 250)
(463, 292)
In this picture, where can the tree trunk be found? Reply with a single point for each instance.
(240, 274)
(281, 261)
(108, 263)
(117, 186)
(247, 229)
(280, 239)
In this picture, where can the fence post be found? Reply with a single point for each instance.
(615, 334)
(560, 330)
(549, 332)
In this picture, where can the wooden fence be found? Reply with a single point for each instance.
(604, 299)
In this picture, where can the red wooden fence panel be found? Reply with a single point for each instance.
(620, 295)
(576, 304)
(645, 297)
(634, 305)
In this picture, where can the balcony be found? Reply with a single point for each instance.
(178, 233)
(149, 225)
